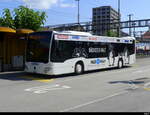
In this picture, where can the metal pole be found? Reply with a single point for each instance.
(78, 11)
(130, 28)
(119, 18)
(134, 24)
(78, 17)
(134, 32)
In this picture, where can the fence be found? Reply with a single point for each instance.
(143, 49)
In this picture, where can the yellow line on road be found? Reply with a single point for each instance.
(147, 89)
(37, 79)
(135, 65)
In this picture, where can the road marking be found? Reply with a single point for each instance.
(147, 89)
(140, 71)
(37, 79)
(135, 65)
(46, 88)
(146, 86)
(94, 101)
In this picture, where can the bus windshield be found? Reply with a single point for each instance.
(38, 47)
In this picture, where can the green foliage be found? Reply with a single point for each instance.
(7, 19)
(23, 18)
(111, 33)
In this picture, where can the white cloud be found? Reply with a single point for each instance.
(46, 4)
(64, 5)
(40, 4)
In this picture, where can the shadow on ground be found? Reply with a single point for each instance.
(16, 76)
(136, 81)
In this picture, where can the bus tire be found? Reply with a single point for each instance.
(79, 68)
(120, 64)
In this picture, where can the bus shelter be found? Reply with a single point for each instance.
(12, 48)
(6, 34)
(19, 58)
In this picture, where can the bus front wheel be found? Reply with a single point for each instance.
(79, 68)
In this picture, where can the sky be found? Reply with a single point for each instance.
(65, 11)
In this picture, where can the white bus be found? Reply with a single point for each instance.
(55, 53)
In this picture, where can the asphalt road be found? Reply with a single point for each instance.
(108, 90)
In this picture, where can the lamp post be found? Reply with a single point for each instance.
(78, 17)
(78, 11)
(130, 25)
(134, 24)
(119, 18)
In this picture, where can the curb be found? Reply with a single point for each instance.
(12, 72)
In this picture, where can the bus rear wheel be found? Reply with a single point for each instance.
(79, 68)
(120, 64)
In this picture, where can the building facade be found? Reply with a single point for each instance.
(102, 19)
(146, 36)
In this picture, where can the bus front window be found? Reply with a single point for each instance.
(38, 47)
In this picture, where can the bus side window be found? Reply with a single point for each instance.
(57, 44)
(59, 47)
(55, 51)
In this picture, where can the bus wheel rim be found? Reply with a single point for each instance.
(79, 68)
(120, 64)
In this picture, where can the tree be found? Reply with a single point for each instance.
(111, 33)
(23, 17)
(28, 18)
(7, 19)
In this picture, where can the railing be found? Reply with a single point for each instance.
(143, 53)
(89, 26)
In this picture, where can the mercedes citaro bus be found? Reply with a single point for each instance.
(55, 53)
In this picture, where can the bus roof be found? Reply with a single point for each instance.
(90, 35)
(74, 33)
(85, 36)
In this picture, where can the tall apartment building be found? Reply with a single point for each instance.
(102, 19)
